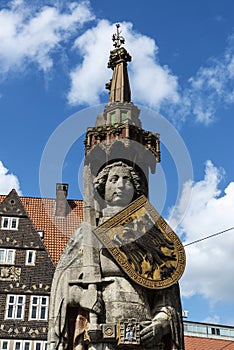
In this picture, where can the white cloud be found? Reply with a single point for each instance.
(151, 83)
(29, 34)
(212, 319)
(210, 263)
(8, 181)
(209, 89)
(88, 78)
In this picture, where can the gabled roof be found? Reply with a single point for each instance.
(12, 205)
(57, 230)
(197, 343)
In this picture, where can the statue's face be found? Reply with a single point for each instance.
(119, 188)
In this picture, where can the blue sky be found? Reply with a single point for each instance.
(53, 70)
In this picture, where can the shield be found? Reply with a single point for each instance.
(144, 245)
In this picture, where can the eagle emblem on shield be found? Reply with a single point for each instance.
(144, 245)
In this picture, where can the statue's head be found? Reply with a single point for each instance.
(119, 184)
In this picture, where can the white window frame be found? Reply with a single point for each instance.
(31, 253)
(43, 345)
(30, 344)
(22, 344)
(10, 221)
(5, 253)
(15, 306)
(5, 341)
(37, 306)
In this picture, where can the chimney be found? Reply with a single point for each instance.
(61, 200)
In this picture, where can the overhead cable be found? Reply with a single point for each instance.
(213, 235)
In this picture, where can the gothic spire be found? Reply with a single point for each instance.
(119, 84)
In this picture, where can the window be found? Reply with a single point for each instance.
(15, 307)
(22, 345)
(9, 223)
(5, 222)
(26, 345)
(4, 344)
(215, 331)
(40, 345)
(14, 223)
(30, 257)
(39, 308)
(7, 256)
(41, 233)
(17, 345)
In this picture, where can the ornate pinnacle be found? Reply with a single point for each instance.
(119, 85)
(118, 39)
(119, 54)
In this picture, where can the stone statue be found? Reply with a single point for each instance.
(118, 184)
(95, 307)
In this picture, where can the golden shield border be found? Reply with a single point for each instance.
(136, 212)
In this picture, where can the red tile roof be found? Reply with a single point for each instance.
(197, 343)
(57, 230)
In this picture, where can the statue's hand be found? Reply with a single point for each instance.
(89, 299)
(98, 307)
(153, 331)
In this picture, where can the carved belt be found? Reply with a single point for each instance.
(127, 334)
(126, 331)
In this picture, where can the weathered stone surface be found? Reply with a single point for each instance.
(90, 283)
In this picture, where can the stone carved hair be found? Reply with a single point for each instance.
(139, 182)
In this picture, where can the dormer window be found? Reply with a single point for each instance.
(9, 223)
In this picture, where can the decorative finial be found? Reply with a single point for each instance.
(117, 38)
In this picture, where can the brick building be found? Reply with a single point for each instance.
(33, 233)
